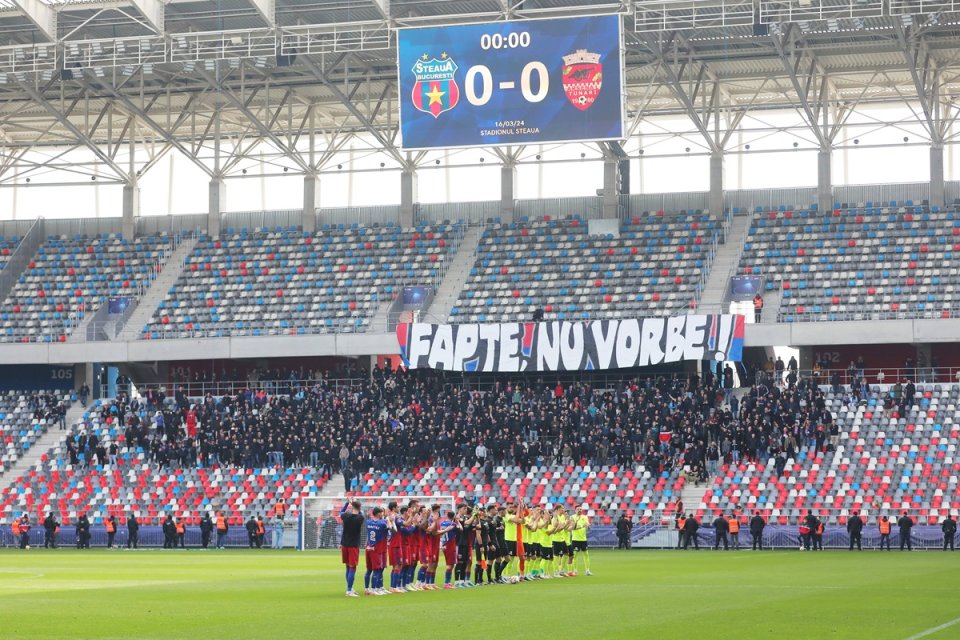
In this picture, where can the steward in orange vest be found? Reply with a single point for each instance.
(111, 525)
(222, 529)
(261, 531)
(734, 523)
(885, 527)
(181, 530)
(681, 523)
(280, 509)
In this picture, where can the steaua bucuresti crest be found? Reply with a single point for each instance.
(435, 90)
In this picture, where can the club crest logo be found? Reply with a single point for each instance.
(582, 78)
(435, 90)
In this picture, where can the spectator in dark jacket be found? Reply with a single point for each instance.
(949, 528)
(855, 528)
(690, 528)
(757, 524)
(133, 532)
(624, 527)
(905, 523)
(721, 527)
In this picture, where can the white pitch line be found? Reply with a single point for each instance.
(933, 630)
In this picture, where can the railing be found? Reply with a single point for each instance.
(200, 388)
(861, 313)
(872, 375)
(722, 236)
(21, 257)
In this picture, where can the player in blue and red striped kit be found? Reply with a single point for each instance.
(449, 527)
(398, 546)
(378, 529)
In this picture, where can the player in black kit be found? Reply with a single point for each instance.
(499, 532)
(465, 536)
(484, 547)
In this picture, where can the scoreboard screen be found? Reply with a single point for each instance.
(517, 82)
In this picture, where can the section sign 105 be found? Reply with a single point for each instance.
(504, 83)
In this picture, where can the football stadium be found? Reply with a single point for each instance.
(550, 318)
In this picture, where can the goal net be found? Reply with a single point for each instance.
(320, 526)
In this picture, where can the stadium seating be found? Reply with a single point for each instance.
(19, 430)
(883, 464)
(281, 281)
(7, 246)
(606, 490)
(134, 484)
(653, 268)
(872, 261)
(70, 276)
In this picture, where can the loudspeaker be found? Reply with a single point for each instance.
(623, 177)
(286, 60)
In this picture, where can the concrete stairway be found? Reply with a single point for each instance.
(692, 496)
(46, 442)
(457, 272)
(79, 333)
(724, 264)
(158, 290)
(771, 305)
(381, 319)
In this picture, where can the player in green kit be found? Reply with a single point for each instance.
(546, 544)
(561, 531)
(579, 536)
(511, 521)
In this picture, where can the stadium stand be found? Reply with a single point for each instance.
(281, 281)
(654, 267)
(70, 276)
(555, 440)
(24, 417)
(891, 455)
(7, 246)
(870, 261)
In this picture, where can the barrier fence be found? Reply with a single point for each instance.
(644, 536)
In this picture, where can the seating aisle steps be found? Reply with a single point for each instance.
(158, 290)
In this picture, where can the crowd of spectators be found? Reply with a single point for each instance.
(48, 407)
(391, 420)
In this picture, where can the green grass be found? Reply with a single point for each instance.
(640, 594)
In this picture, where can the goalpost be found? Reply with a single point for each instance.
(319, 525)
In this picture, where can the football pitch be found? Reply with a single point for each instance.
(637, 594)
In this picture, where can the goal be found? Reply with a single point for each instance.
(319, 526)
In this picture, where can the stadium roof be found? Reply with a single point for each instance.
(98, 73)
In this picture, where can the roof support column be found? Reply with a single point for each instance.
(408, 194)
(716, 200)
(311, 202)
(508, 192)
(611, 195)
(825, 179)
(131, 209)
(938, 112)
(217, 203)
(131, 191)
(938, 191)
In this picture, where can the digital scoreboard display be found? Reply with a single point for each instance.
(507, 83)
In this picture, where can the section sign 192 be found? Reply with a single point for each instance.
(503, 83)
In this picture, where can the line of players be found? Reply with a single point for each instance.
(504, 544)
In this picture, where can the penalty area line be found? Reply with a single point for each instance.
(933, 630)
